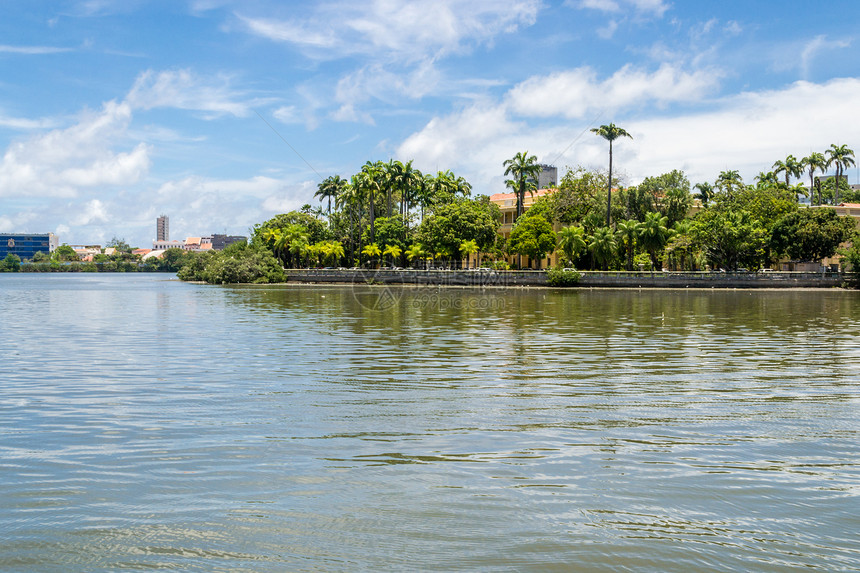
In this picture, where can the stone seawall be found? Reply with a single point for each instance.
(596, 279)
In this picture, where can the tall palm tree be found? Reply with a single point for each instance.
(814, 162)
(571, 241)
(521, 168)
(610, 133)
(329, 188)
(370, 181)
(841, 157)
(628, 231)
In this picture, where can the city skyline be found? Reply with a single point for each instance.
(222, 114)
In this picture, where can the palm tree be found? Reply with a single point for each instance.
(610, 133)
(330, 187)
(653, 234)
(393, 251)
(791, 167)
(603, 246)
(841, 157)
(467, 249)
(372, 250)
(766, 179)
(416, 251)
(628, 231)
(521, 168)
(571, 241)
(814, 162)
(369, 181)
(728, 181)
(706, 192)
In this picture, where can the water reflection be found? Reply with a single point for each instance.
(167, 425)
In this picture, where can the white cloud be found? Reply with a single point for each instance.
(747, 132)
(183, 90)
(93, 211)
(396, 30)
(815, 46)
(32, 50)
(653, 7)
(578, 93)
(25, 124)
(60, 162)
(609, 30)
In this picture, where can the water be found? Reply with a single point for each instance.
(151, 424)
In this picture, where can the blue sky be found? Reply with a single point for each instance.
(115, 111)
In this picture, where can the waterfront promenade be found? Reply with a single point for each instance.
(595, 279)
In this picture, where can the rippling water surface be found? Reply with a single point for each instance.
(150, 424)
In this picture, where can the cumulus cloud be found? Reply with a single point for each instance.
(182, 89)
(399, 45)
(577, 93)
(747, 132)
(395, 29)
(60, 162)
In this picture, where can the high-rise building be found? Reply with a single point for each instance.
(162, 228)
(548, 176)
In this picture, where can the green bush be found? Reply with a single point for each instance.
(559, 277)
(238, 263)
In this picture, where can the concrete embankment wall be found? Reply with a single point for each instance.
(595, 279)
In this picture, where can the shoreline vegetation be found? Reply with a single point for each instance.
(390, 216)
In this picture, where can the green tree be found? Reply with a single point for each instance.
(628, 231)
(65, 253)
(415, 252)
(729, 182)
(463, 220)
(841, 157)
(119, 244)
(610, 133)
(467, 249)
(533, 237)
(372, 251)
(814, 162)
(653, 234)
(331, 188)
(730, 238)
(11, 264)
(571, 241)
(393, 251)
(791, 167)
(521, 168)
(705, 193)
(603, 246)
(810, 234)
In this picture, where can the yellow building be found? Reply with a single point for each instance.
(507, 203)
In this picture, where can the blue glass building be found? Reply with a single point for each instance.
(27, 245)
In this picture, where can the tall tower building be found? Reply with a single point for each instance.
(162, 228)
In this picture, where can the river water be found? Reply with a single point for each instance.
(150, 424)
